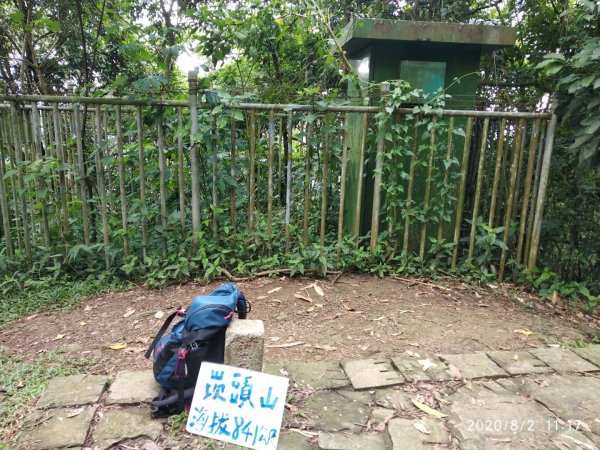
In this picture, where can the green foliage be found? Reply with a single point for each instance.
(23, 380)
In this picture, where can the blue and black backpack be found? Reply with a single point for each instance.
(198, 337)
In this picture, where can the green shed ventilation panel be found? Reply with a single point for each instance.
(426, 75)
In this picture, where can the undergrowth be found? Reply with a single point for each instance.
(22, 381)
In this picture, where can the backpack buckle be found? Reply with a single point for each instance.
(181, 311)
(182, 353)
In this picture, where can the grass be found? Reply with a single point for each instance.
(20, 297)
(22, 381)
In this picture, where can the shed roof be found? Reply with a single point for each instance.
(360, 32)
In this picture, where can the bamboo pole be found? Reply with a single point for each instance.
(13, 184)
(252, 173)
(460, 203)
(21, 185)
(378, 169)
(536, 181)
(4, 199)
(36, 135)
(344, 170)
(325, 181)
(195, 157)
(411, 176)
(446, 167)
(61, 172)
(480, 175)
(541, 196)
(81, 175)
(280, 153)
(123, 198)
(102, 187)
(180, 165)
(533, 143)
(428, 186)
(233, 207)
(361, 175)
(270, 173)
(215, 192)
(307, 165)
(140, 146)
(499, 156)
(511, 194)
(162, 170)
(288, 187)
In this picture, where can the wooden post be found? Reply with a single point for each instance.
(325, 180)
(361, 175)
(385, 88)
(480, 175)
(101, 187)
(541, 195)
(162, 169)
(123, 198)
(514, 168)
(140, 145)
(195, 157)
(460, 203)
(21, 185)
(536, 181)
(270, 173)
(343, 175)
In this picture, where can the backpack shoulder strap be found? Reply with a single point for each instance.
(162, 330)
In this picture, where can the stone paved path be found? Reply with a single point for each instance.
(546, 398)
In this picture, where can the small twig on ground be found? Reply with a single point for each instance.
(265, 273)
(406, 280)
(337, 277)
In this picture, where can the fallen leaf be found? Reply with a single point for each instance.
(289, 344)
(427, 364)
(524, 331)
(75, 412)
(318, 305)
(428, 410)
(87, 308)
(302, 297)
(143, 340)
(413, 354)
(129, 313)
(261, 297)
(119, 346)
(318, 290)
(455, 372)
(311, 309)
(58, 336)
(348, 308)
(275, 339)
(159, 314)
(422, 428)
(82, 323)
(274, 290)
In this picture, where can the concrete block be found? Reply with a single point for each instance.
(245, 344)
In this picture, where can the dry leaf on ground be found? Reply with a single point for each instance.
(318, 290)
(422, 428)
(428, 410)
(159, 314)
(58, 337)
(274, 290)
(129, 313)
(302, 297)
(524, 331)
(119, 346)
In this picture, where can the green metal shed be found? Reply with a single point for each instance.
(430, 56)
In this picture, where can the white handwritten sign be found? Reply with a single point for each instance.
(239, 406)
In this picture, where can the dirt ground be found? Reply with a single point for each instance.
(357, 317)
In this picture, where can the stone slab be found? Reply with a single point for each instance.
(394, 399)
(591, 354)
(406, 436)
(340, 441)
(519, 363)
(292, 440)
(328, 411)
(475, 365)
(412, 370)
(72, 391)
(371, 373)
(382, 414)
(127, 423)
(318, 375)
(133, 387)
(245, 344)
(57, 428)
(570, 397)
(563, 360)
(483, 415)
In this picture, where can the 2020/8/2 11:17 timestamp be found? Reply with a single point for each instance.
(520, 425)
